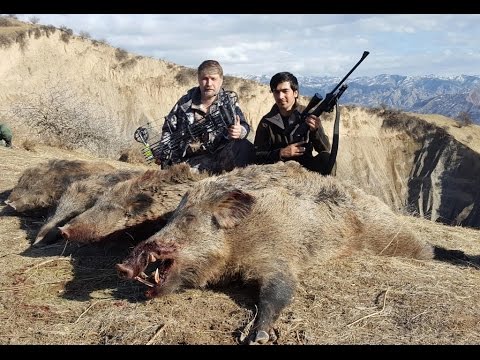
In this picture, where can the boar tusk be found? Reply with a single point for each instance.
(156, 277)
(144, 281)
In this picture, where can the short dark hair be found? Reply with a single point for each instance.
(210, 66)
(283, 77)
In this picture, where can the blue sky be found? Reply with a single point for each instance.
(313, 44)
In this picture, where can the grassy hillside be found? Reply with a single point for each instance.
(65, 294)
(68, 294)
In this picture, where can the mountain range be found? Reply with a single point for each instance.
(420, 94)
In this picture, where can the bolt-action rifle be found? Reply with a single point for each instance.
(319, 107)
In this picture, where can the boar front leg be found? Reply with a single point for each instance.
(275, 294)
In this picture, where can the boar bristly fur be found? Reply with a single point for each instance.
(140, 204)
(40, 187)
(79, 196)
(265, 223)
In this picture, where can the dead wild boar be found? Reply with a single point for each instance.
(40, 187)
(80, 196)
(140, 205)
(264, 223)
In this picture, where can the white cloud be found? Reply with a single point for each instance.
(407, 44)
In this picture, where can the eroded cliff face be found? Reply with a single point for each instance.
(425, 166)
(417, 166)
(444, 183)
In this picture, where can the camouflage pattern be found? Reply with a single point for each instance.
(187, 111)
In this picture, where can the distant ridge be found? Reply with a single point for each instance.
(428, 94)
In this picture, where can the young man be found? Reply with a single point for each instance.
(217, 151)
(274, 130)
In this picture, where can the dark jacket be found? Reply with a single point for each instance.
(186, 111)
(272, 135)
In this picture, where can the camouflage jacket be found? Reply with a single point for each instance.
(272, 135)
(188, 110)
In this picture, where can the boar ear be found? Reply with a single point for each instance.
(232, 208)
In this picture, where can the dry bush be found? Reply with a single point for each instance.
(245, 88)
(84, 35)
(66, 34)
(128, 64)
(29, 145)
(100, 42)
(186, 76)
(21, 39)
(229, 82)
(49, 29)
(5, 21)
(121, 54)
(5, 41)
(35, 32)
(34, 19)
(66, 119)
(464, 119)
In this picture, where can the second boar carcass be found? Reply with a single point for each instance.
(80, 196)
(265, 223)
(40, 187)
(140, 206)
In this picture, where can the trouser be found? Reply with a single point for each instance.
(318, 163)
(236, 153)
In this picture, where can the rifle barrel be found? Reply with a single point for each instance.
(365, 54)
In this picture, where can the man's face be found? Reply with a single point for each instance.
(210, 84)
(284, 96)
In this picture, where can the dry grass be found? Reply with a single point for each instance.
(65, 294)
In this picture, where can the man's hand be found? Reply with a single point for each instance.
(235, 130)
(313, 122)
(293, 150)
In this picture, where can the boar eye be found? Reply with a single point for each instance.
(214, 221)
(189, 218)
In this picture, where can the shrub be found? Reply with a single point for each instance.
(66, 34)
(229, 82)
(37, 33)
(62, 117)
(121, 54)
(5, 41)
(4, 22)
(464, 119)
(186, 76)
(21, 39)
(129, 63)
(29, 145)
(34, 19)
(49, 29)
(84, 35)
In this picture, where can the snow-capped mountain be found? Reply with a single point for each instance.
(422, 94)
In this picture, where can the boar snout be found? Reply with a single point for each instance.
(124, 271)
